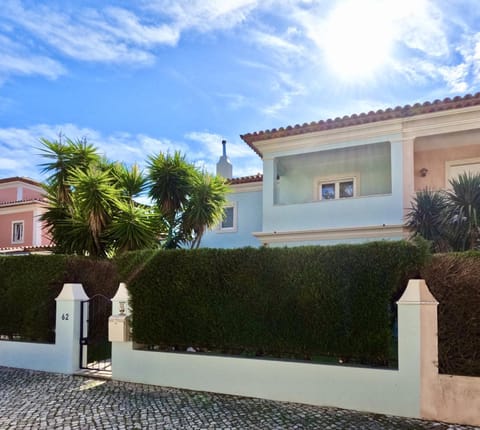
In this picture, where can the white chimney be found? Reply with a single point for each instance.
(224, 167)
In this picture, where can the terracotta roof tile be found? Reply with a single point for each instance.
(363, 118)
(21, 202)
(20, 179)
(246, 179)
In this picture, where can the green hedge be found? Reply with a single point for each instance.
(454, 280)
(29, 285)
(297, 302)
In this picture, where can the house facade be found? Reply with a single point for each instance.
(21, 205)
(349, 179)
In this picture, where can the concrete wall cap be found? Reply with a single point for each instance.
(72, 292)
(417, 292)
(122, 293)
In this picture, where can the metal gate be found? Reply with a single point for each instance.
(95, 349)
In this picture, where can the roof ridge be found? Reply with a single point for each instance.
(246, 179)
(363, 118)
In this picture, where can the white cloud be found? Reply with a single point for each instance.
(80, 36)
(15, 61)
(20, 148)
(287, 89)
(203, 15)
(244, 161)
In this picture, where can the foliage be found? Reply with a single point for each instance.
(91, 210)
(449, 219)
(454, 280)
(30, 284)
(295, 302)
(91, 206)
(189, 200)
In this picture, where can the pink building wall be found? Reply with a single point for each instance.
(6, 228)
(434, 160)
(29, 194)
(8, 195)
(18, 189)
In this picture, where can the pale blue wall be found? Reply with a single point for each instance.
(331, 242)
(355, 212)
(249, 220)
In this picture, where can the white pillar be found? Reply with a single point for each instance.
(120, 350)
(120, 300)
(417, 339)
(67, 336)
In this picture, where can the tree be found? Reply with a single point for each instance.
(426, 218)
(464, 211)
(449, 219)
(90, 206)
(189, 200)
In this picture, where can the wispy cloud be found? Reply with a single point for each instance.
(18, 144)
(287, 89)
(86, 36)
(14, 60)
(245, 162)
(203, 15)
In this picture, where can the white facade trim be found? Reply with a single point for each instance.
(371, 232)
(247, 187)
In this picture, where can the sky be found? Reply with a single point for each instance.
(140, 77)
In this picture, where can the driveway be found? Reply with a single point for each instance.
(39, 400)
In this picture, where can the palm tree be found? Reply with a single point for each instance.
(426, 217)
(90, 206)
(188, 199)
(205, 206)
(63, 156)
(450, 219)
(464, 210)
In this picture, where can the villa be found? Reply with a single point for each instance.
(349, 179)
(21, 205)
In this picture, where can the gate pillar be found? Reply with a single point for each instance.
(120, 301)
(67, 334)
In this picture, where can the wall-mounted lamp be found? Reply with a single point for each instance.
(278, 177)
(423, 172)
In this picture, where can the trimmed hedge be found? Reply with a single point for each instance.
(29, 285)
(297, 302)
(454, 280)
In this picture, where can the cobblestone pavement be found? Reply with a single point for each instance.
(39, 400)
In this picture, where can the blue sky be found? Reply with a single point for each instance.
(139, 77)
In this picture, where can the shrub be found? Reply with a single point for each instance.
(29, 285)
(454, 280)
(296, 302)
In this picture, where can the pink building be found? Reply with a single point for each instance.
(21, 205)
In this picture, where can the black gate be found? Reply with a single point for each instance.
(95, 349)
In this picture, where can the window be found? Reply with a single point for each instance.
(336, 189)
(458, 167)
(17, 232)
(229, 221)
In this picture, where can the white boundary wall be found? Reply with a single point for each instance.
(63, 355)
(394, 392)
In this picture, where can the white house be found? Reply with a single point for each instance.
(348, 179)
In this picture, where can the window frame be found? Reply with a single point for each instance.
(450, 164)
(336, 180)
(22, 240)
(232, 229)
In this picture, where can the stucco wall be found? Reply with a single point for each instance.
(434, 160)
(29, 194)
(8, 195)
(249, 220)
(341, 213)
(298, 175)
(6, 228)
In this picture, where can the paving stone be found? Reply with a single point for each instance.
(40, 400)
